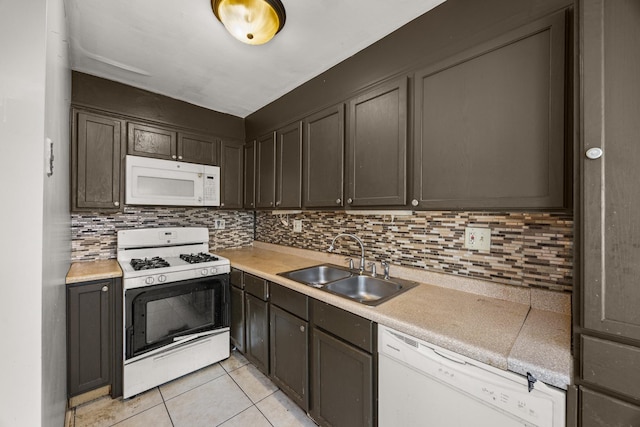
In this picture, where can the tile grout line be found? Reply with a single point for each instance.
(164, 402)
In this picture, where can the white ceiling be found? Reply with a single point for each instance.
(179, 49)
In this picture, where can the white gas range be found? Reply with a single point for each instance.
(176, 304)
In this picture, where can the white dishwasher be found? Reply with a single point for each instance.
(420, 384)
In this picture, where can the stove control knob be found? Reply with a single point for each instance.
(162, 278)
(204, 271)
(149, 280)
(213, 270)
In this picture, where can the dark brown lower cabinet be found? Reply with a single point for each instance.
(342, 382)
(94, 336)
(237, 318)
(257, 332)
(289, 355)
(601, 410)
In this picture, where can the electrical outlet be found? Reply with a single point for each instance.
(297, 226)
(477, 238)
(218, 224)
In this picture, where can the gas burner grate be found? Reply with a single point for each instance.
(197, 258)
(148, 263)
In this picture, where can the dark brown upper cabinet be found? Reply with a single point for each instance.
(323, 158)
(96, 162)
(289, 166)
(377, 146)
(231, 159)
(249, 175)
(151, 141)
(201, 149)
(266, 171)
(490, 123)
(169, 144)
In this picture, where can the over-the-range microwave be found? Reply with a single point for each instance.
(150, 181)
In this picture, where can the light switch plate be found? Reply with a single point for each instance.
(477, 238)
(297, 226)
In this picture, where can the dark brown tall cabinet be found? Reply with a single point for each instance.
(377, 146)
(323, 161)
(96, 159)
(94, 336)
(489, 127)
(608, 327)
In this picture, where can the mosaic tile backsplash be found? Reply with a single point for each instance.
(527, 249)
(94, 235)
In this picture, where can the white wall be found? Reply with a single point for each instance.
(56, 253)
(30, 288)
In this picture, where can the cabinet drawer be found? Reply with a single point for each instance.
(290, 300)
(235, 278)
(348, 326)
(256, 286)
(611, 365)
(598, 410)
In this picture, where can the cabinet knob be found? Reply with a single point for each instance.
(179, 157)
(414, 202)
(221, 204)
(105, 288)
(270, 203)
(594, 153)
(301, 328)
(116, 203)
(349, 200)
(173, 156)
(338, 201)
(278, 203)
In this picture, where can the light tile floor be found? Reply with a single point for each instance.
(231, 393)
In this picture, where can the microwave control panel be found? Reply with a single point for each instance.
(212, 186)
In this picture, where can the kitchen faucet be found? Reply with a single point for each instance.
(353, 236)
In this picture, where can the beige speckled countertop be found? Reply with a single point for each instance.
(93, 270)
(503, 326)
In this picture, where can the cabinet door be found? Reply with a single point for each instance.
(96, 161)
(489, 123)
(323, 158)
(289, 166)
(597, 410)
(249, 175)
(289, 345)
(89, 345)
(257, 332)
(237, 318)
(151, 141)
(266, 171)
(201, 149)
(611, 201)
(342, 382)
(377, 146)
(231, 174)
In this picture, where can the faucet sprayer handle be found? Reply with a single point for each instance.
(350, 261)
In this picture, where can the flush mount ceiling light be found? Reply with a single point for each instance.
(250, 21)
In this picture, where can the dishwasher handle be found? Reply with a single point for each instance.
(448, 357)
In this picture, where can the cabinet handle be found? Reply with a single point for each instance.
(278, 203)
(105, 288)
(116, 203)
(349, 200)
(414, 202)
(179, 157)
(301, 328)
(173, 156)
(338, 201)
(594, 153)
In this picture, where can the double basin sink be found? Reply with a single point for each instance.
(349, 284)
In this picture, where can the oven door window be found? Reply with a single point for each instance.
(159, 315)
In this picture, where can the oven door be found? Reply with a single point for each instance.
(158, 315)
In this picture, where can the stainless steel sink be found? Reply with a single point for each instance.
(318, 275)
(366, 289)
(349, 284)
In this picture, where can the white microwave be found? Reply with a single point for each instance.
(151, 181)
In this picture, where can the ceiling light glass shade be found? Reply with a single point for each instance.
(250, 21)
